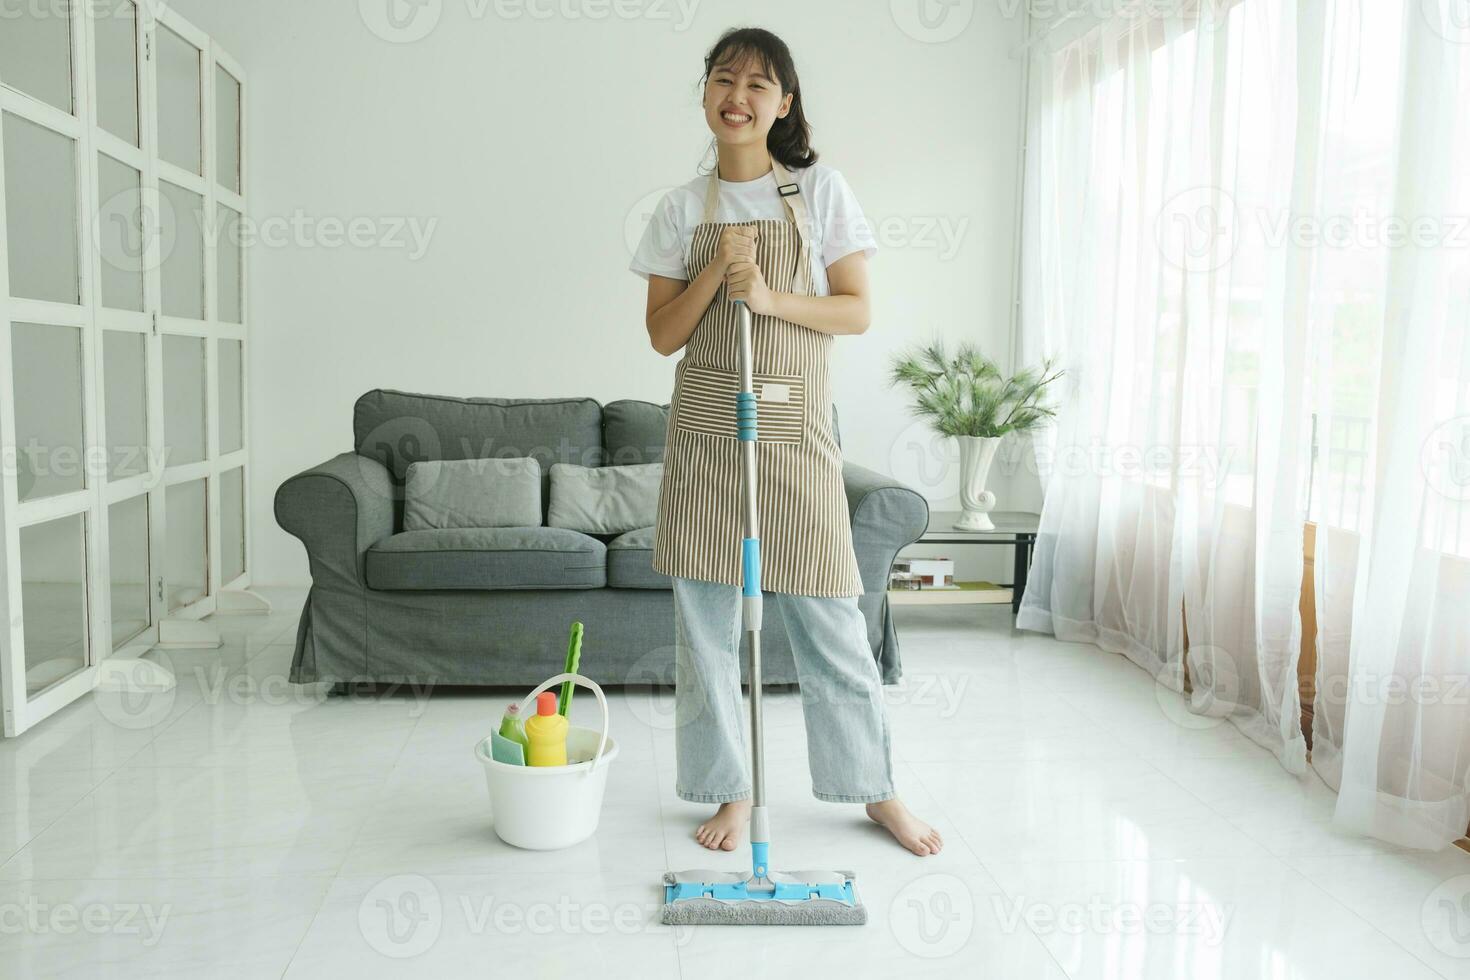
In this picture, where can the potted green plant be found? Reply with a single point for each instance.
(965, 396)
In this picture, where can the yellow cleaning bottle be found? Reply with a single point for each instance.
(546, 734)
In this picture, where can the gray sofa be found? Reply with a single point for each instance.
(493, 606)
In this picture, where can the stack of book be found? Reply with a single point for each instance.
(922, 573)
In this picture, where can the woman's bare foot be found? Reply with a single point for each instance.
(906, 828)
(721, 832)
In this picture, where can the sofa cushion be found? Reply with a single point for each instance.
(472, 493)
(487, 558)
(633, 432)
(604, 499)
(630, 562)
(398, 428)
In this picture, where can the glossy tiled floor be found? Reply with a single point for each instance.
(244, 827)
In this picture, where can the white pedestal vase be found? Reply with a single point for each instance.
(976, 455)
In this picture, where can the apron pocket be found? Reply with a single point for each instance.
(706, 404)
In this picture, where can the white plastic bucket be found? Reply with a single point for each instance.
(545, 807)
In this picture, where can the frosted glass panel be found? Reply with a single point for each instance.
(187, 575)
(229, 258)
(125, 376)
(116, 33)
(53, 595)
(231, 397)
(120, 234)
(183, 399)
(227, 129)
(179, 101)
(127, 547)
(41, 211)
(35, 50)
(48, 409)
(183, 251)
(232, 524)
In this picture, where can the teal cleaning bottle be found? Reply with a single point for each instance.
(512, 728)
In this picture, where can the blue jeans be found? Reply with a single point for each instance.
(841, 693)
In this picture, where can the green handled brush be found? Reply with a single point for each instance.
(574, 658)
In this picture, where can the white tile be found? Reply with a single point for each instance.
(1202, 919)
(1092, 809)
(203, 822)
(1421, 900)
(546, 923)
(292, 831)
(156, 927)
(31, 800)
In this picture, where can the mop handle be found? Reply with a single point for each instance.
(745, 414)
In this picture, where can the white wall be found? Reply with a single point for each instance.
(535, 143)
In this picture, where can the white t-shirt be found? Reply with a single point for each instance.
(838, 226)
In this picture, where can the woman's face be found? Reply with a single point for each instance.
(741, 102)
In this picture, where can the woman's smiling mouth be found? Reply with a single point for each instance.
(732, 118)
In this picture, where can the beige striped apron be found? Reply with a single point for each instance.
(805, 531)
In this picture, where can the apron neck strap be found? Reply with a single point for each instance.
(796, 211)
(786, 186)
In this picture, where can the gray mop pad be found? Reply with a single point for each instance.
(760, 912)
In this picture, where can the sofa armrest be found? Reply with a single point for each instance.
(339, 509)
(886, 515)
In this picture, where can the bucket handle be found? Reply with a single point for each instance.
(586, 682)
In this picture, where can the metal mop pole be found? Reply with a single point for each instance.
(745, 411)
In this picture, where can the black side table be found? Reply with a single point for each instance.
(1014, 528)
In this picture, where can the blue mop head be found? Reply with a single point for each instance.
(800, 898)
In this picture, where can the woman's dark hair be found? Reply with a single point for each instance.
(790, 138)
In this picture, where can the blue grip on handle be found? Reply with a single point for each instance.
(750, 554)
(745, 413)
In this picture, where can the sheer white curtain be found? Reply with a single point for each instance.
(1175, 482)
(1244, 239)
(1392, 726)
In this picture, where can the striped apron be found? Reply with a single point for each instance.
(805, 531)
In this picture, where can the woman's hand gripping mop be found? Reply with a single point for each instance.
(764, 897)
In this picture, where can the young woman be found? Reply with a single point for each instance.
(773, 228)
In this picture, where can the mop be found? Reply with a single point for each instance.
(764, 897)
